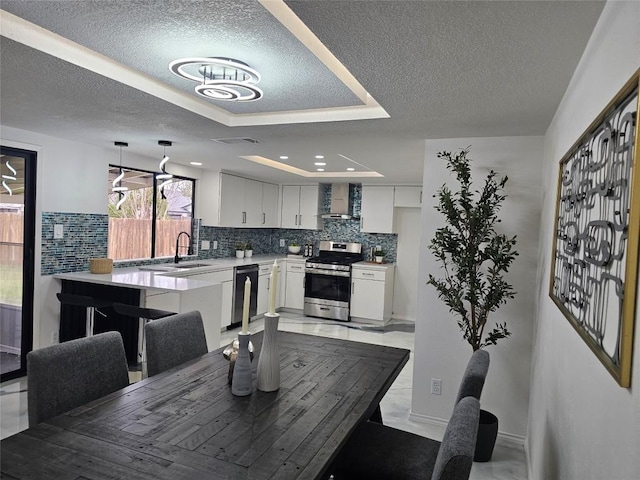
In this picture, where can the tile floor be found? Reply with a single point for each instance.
(508, 461)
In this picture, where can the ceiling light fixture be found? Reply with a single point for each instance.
(284, 157)
(351, 169)
(320, 164)
(221, 78)
(197, 164)
(319, 157)
(163, 175)
(9, 177)
(320, 169)
(116, 185)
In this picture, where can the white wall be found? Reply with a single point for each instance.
(582, 425)
(440, 351)
(72, 177)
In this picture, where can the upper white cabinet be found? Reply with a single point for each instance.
(243, 202)
(407, 196)
(376, 213)
(300, 207)
(269, 205)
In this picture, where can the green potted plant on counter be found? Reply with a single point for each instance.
(239, 250)
(474, 258)
(248, 250)
(379, 256)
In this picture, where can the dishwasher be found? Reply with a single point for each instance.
(241, 274)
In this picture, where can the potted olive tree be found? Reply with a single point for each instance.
(474, 258)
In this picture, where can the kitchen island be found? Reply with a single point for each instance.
(191, 285)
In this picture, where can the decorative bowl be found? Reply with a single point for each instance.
(294, 249)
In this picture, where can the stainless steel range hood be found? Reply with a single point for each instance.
(340, 206)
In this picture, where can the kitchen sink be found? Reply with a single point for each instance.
(191, 265)
(172, 267)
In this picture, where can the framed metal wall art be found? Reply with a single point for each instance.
(594, 269)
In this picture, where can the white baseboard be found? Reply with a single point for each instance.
(438, 425)
(404, 318)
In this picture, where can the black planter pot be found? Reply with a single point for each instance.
(487, 434)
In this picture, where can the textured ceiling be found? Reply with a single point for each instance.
(440, 69)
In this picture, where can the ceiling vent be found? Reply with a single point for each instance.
(236, 140)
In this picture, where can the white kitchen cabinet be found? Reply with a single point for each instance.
(252, 203)
(294, 286)
(232, 212)
(269, 205)
(406, 196)
(300, 207)
(372, 293)
(224, 278)
(264, 286)
(376, 214)
(206, 300)
(243, 202)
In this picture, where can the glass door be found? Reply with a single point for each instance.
(17, 242)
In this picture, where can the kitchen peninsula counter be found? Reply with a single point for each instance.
(159, 286)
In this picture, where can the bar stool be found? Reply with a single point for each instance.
(145, 315)
(91, 304)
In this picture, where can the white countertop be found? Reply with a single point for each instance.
(171, 280)
(373, 265)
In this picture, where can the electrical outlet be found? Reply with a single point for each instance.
(55, 337)
(215, 244)
(205, 245)
(282, 242)
(58, 231)
(436, 386)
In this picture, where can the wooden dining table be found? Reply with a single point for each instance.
(186, 424)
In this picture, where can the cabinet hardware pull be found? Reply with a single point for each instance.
(368, 274)
(264, 218)
(269, 283)
(300, 220)
(353, 287)
(420, 196)
(296, 222)
(244, 217)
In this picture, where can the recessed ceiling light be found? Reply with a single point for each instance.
(284, 157)
(196, 163)
(350, 169)
(319, 157)
(320, 169)
(320, 164)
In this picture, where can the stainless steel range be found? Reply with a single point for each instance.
(328, 280)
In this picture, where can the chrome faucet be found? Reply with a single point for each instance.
(177, 258)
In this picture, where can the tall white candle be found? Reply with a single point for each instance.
(245, 308)
(273, 287)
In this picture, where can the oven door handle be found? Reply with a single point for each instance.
(331, 273)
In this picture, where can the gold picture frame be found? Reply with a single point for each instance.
(594, 264)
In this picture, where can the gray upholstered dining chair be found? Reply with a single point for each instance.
(69, 374)
(174, 340)
(474, 375)
(378, 452)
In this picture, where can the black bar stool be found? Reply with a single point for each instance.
(91, 304)
(145, 315)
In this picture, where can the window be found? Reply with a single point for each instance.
(145, 220)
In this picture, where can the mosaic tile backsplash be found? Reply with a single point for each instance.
(85, 236)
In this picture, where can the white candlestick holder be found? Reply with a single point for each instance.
(269, 359)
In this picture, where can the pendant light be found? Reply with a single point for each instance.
(9, 177)
(116, 185)
(163, 175)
